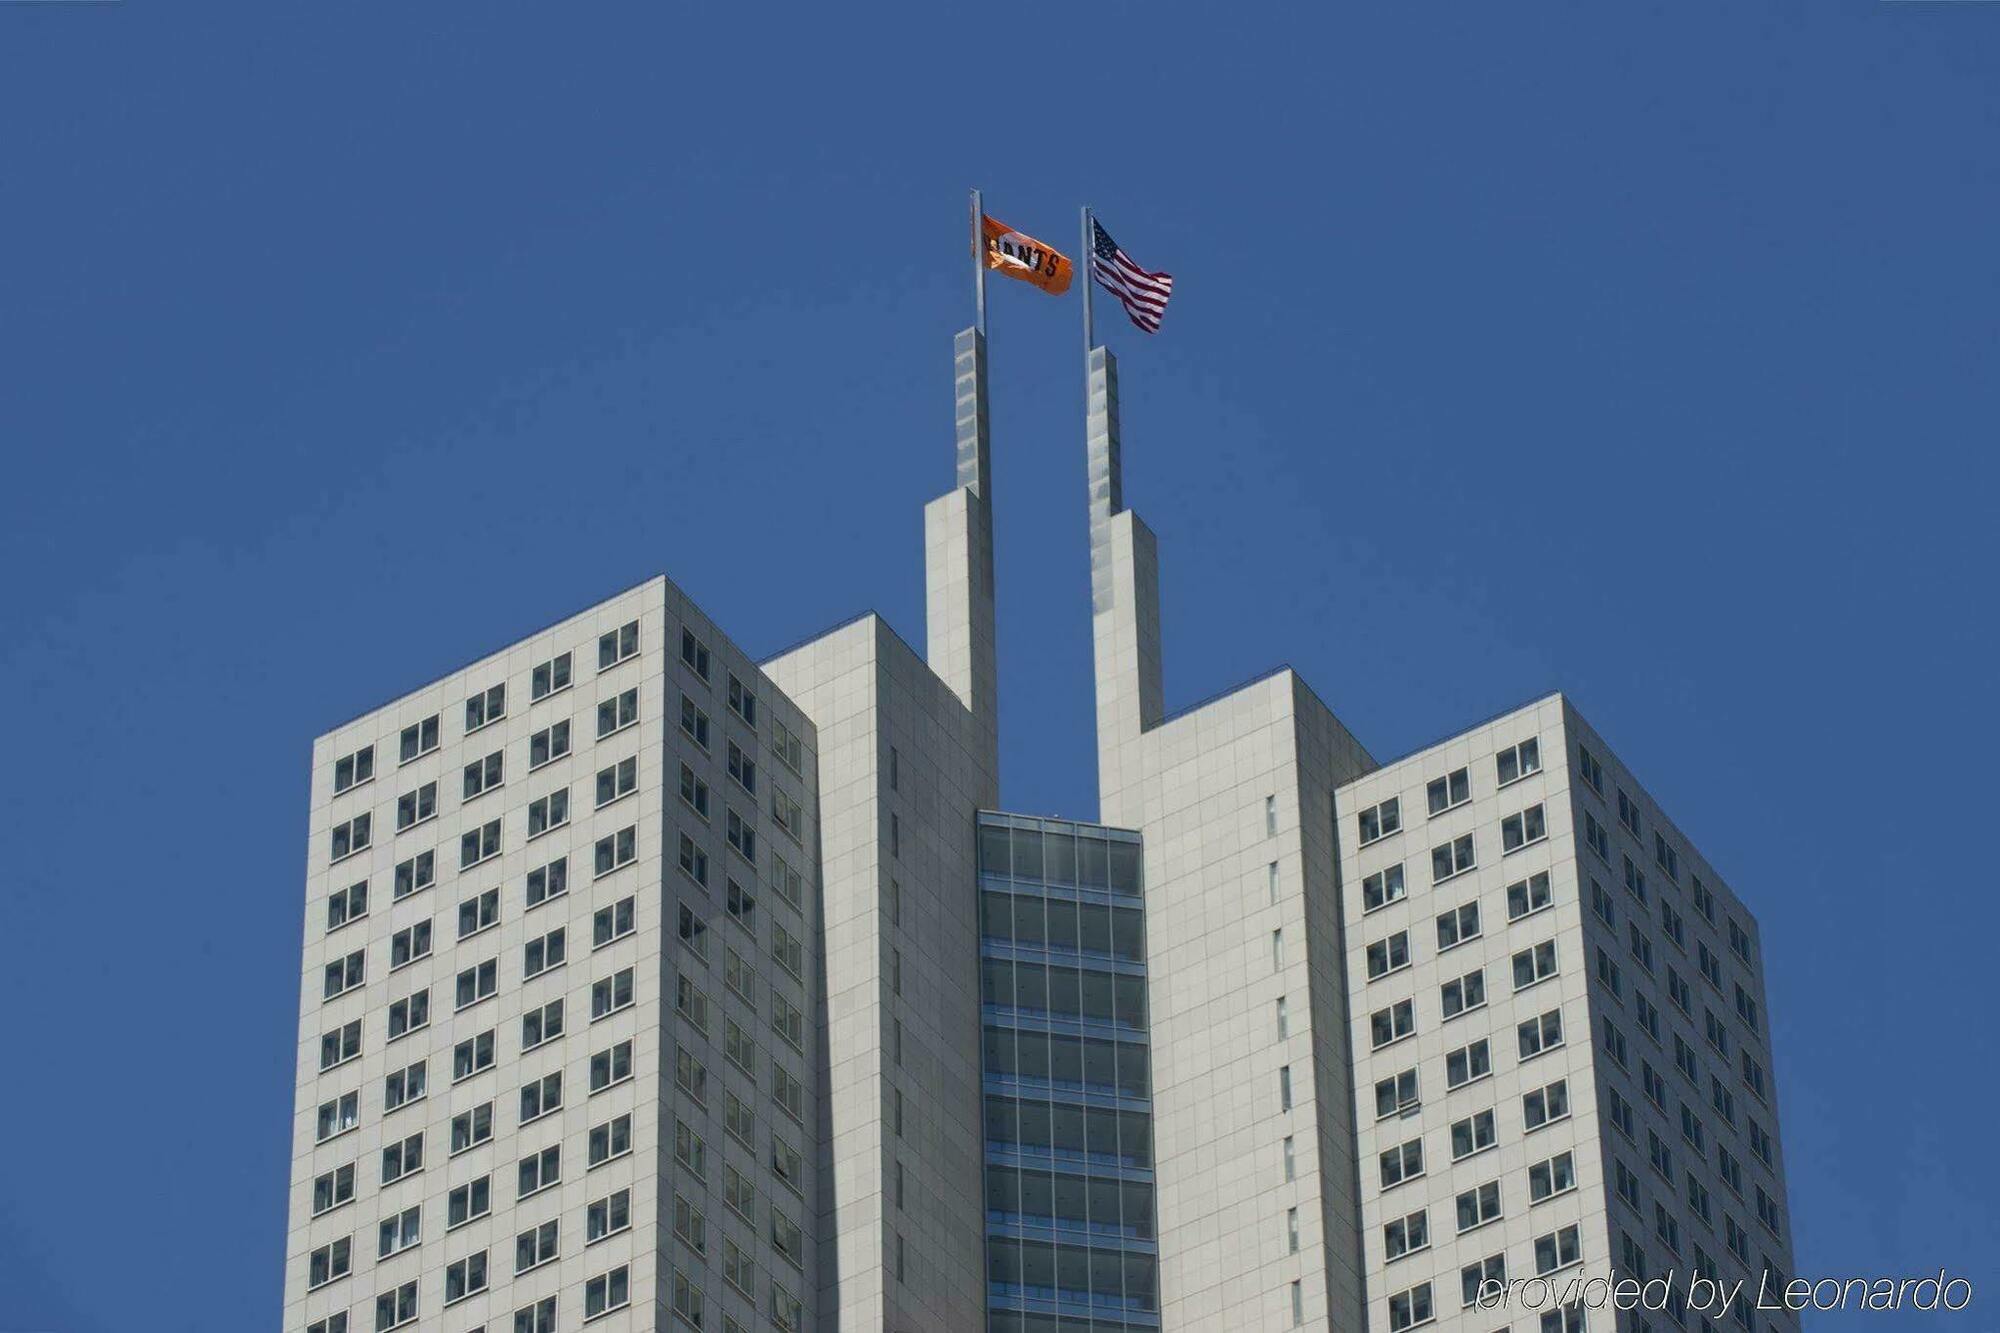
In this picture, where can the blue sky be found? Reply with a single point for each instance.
(1643, 350)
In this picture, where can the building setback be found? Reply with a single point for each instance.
(648, 986)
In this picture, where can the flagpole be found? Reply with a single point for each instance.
(1083, 257)
(979, 264)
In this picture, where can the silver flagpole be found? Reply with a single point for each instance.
(979, 263)
(1083, 257)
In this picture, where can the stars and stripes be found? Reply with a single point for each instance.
(1143, 294)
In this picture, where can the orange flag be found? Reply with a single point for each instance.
(1017, 256)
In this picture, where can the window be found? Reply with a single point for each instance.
(1746, 1007)
(1625, 1183)
(1540, 1034)
(1673, 925)
(1518, 831)
(1595, 836)
(1704, 901)
(535, 1246)
(479, 844)
(409, 1013)
(548, 812)
(1397, 1094)
(1517, 761)
(610, 994)
(546, 882)
(345, 905)
(1528, 896)
(549, 744)
(465, 1277)
(1478, 1206)
(1628, 812)
(472, 1056)
(1656, 1087)
(694, 932)
(615, 850)
(1463, 993)
(344, 974)
(488, 705)
(1680, 992)
(1722, 1099)
(1407, 1235)
(472, 1128)
(354, 769)
(1487, 1277)
(1396, 1022)
(1386, 956)
(1649, 1015)
(1468, 1062)
(1609, 973)
(1665, 857)
(694, 861)
(415, 874)
(607, 1216)
(617, 713)
(1569, 1319)
(1590, 770)
(1546, 1179)
(1767, 1212)
(742, 768)
(790, 1095)
(350, 836)
(1402, 1162)
(787, 1312)
(1409, 1308)
(1457, 926)
(1711, 967)
(419, 738)
(789, 816)
(333, 1189)
(551, 677)
(1451, 858)
(1383, 887)
(399, 1232)
(1535, 964)
(695, 653)
(470, 1200)
(1445, 793)
(694, 791)
(1641, 946)
(404, 1086)
(1737, 1238)
(543, 952)
(617, 645)
(1753, 1076)
(610, 1066)
(1474, 1134)
(694, 722)
(1760, 1142)
(612, 922)
(1717, 1031)
(541, 1096)
(1659, 1154)
(1739, 941)
(1545, 1105)
(537, 1318)
(329, 1263)
(739, 1196)
(1684, 1059)
(409, 944)
(476, 914)
(1619, 1111)
(540, 1025)
(1614, 1043)
(742, 701)
(1291, 1165)
(414, 807)
(690, 1225)
(788, 1165)
(1285, 1088)
(403, 1158)
(1557, 1250)
(689, 1149)
(538, 1170)
(739, 834)
(791, 887)
(787, 1021)
(610, 1140)
(1697, 1197)
(1379, 821)
(787, 1239)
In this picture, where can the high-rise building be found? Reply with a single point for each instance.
(649, 986)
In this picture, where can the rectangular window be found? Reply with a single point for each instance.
(742, 701)
(1379, 821)
(541, 1096)
(1540, 1034)
(1545, 1105)
(610, 1140)
(472, 1056)
(609, 1067)
(1478, 1206)
(1401, 1163)
(1389, 955)
(1397, 1095)
(610, 994)
(537, 1171)
(694, 861)
(402, 1158)
(404, 1086)
(742, 768)
(543, 952)
(329, 1263)
(618, 645)
(489, 705)
(1665, 857)
(614, 921)
(1628, 812)
(409, 944)
(1457, 926)
(1517, 761)
(1407, 1309)
(1393, 1024)
(1528, 896)
(478, 913)
(607, 1216)
(408, 1014)
(695, 653)
(549, 744)
(354, 769)
(617, 713)
(542, 1024)
(694, 791)
(418, 739)
(471, 1200)
(349, 837)
(479, 844)
(344, 974)
(1451, 858)
(338, 1116)
(415, 807)
(1556, 1175)
(1557, 1250)
(615, 851)
(1463, 993)
(1383, 887)
(345, 905)
(1449, 792)
(548, 881)
(1474, 1134)
(471, 1128)
(333, 1189)
(1468, 1063)
(739, 834)
(535, 1247)
(694, 722)
(1407, 1234)
(551, 677)
(1524, 829)
(416, 874)
(1534, 965)
(548, 812)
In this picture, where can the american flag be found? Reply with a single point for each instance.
(1143, 294)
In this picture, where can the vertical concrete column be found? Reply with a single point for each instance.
(1124, 597)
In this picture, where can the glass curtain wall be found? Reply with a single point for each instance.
(1070, 1242)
